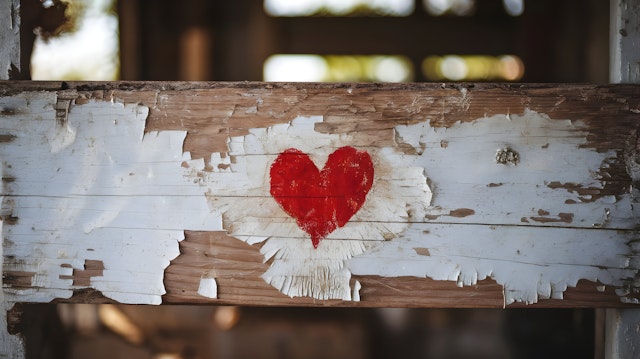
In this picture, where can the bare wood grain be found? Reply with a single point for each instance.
(240, 283)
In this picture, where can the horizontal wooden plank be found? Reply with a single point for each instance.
(465, 195)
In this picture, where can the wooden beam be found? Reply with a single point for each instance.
(432, 195)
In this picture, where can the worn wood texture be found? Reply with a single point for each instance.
(484, 195)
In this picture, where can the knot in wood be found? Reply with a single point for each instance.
(507, 156)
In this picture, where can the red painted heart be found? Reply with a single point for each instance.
(321, 201)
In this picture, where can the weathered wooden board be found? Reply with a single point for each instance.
(467, 195)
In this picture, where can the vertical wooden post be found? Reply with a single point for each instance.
(622, 330)
(130, 40)
(622, 326)
(10, 39)
(624, 49)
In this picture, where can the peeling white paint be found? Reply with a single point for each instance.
(240, 193)
(532, 259)
(530, 262)
(467, 176)
(86, 193)
(208, 287)
(97, 188)
(356, 291)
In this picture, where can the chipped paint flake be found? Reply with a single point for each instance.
(208, 287)
(356, 291)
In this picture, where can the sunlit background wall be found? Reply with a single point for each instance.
(89, 51)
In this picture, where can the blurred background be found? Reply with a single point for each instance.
(319, 40)
(313, 40)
